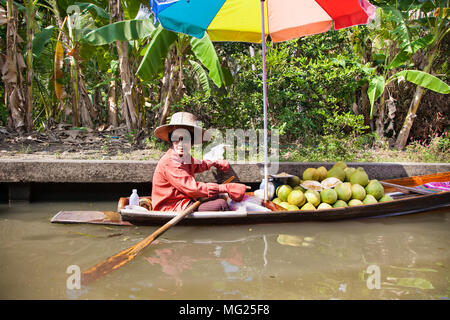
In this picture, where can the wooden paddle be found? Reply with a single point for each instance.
(405, 189)
(118, 260)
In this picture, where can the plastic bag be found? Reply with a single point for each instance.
(136, 208)
(248, 204)
(216, 153)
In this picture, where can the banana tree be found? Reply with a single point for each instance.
(74, 19)
(129, 102)
(30, 13)
(12, 66)
(164, 56)
(409, 27)
(122, 32)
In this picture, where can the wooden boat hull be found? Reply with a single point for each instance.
(396, 207)
(402, 204)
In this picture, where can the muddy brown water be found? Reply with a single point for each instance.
(404, 257)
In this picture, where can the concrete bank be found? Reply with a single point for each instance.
(21, 178)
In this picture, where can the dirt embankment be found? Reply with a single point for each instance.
(64, 142)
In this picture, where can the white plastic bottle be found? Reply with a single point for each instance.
(270, 188)
(134, 198)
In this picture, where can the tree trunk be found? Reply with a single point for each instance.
(167, 87)
(30, 34)
(379, 122)
(12, 73)
(128, 104)
(58, 67)
(179, 92)
(87, 110)
(112, 104)
(402, 137)
(75, 93)
(252, 54)
(113, 112)
(127, 86)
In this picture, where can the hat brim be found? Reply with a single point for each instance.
(162, 132)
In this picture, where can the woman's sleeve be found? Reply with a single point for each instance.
(201, 165)
(183, 181)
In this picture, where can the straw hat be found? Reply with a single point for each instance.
(183, 120)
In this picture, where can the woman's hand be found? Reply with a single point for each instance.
(222, 165)
(236, 191)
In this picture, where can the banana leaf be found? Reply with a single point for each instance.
(202, 77)
(375, 90)
(205, 52)
(153, 61)
(424, 79)
(84, 6)
(41, 39)
(125, 30)
(406, 53)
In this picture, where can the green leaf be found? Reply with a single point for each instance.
(401, 31)
(204, 50)
(406, 53)
(227, 76)
(202, 77)
(378, 59)
(375, 90)
(131, 8)
(423, 79)
(399, 59)
(41, 39)
(153, 60)
(428, 6)
(101, 13)
(125, 30)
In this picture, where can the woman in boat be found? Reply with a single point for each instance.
(174, 187)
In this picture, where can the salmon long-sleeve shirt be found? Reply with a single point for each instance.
(174, 184)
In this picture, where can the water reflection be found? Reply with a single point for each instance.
(177, 261)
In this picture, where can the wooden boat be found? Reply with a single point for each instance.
(405, 202)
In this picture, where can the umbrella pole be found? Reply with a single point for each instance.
(266, 170)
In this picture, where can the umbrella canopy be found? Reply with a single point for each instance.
(240, 20)
(254, 20)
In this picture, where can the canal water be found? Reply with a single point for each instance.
(403, 257)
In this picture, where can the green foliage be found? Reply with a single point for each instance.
(437, 150)
(203, 49)
(153, 61)
(41, 39)
(405, 28)
(424, 79)
(312, 82)
(202, 77)
(125, 30)
(309, 82)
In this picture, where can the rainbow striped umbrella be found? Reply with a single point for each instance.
(254, 20)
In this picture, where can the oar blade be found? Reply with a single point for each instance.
(107, 266)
